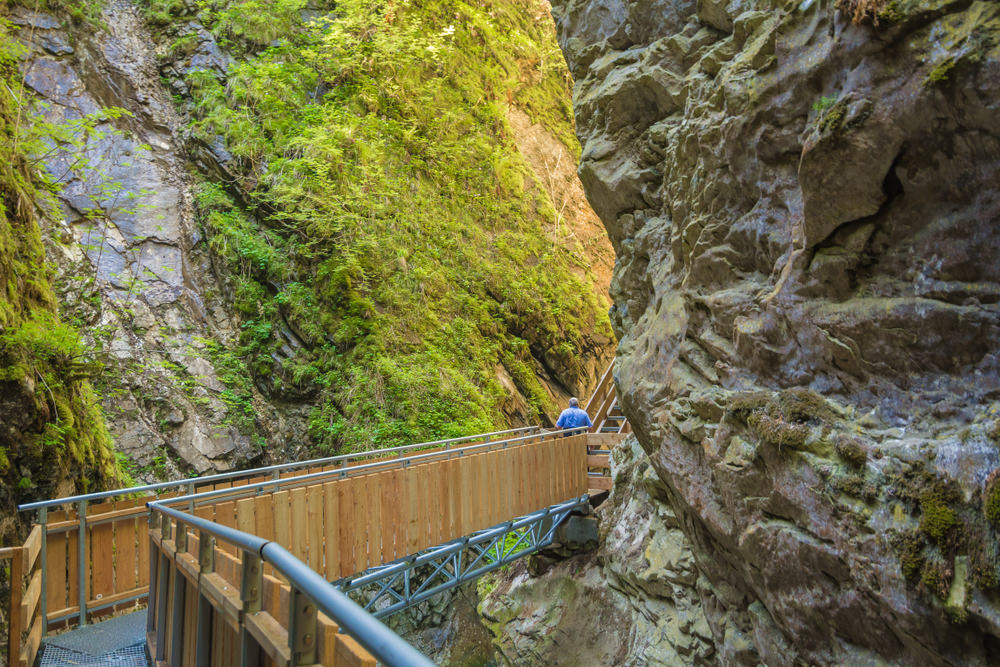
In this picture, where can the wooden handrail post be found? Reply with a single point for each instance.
(81, 559)
(251, 593)
(16, 583)
(43, 519)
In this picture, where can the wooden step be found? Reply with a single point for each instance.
(599, 484)
(603, 440)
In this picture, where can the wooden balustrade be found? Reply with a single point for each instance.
(340, 528)
(345, 526)
(115, 567)
(25, 622)
(207, 608)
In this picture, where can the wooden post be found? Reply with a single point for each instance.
(16, 582)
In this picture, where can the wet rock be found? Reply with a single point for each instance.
(641, 582)
(806, 207)
(129, 231)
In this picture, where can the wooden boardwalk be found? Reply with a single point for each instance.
(339, 518)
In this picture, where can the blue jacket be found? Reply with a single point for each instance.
(573, 417)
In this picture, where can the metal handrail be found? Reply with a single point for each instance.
(301, 480)
(221, 477)
(371, 633)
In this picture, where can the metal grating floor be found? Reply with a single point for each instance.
(130, 656)
(116, 642)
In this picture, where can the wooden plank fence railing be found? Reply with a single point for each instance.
(112, 561)
(603, 396)
(345, 526)
(25, 622)
(207, 607)
(338, 528)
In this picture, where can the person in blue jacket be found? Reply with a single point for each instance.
(573, 416)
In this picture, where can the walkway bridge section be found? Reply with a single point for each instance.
(238, 566)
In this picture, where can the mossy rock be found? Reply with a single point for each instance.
(778, 432)
(991, 499)
(911, 559)
(805, 405)
(938, 519)
(852, 451)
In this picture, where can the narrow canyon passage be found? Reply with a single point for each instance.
(238, 234)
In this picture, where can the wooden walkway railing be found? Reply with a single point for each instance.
(338, 528)
(346, 526)
(25, 622)
(95, 554)
(92, 556)
(208, 612)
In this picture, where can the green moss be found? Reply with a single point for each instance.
(54, 430)
(940, 72)
(382, 214)
(891, 13)
(743, 404)
(778, 432)
(852, 485)
(833, 119)
(852, 451)
(805, 405)
(991, 504)
(937, 519)
(936, 578)
(912, 556)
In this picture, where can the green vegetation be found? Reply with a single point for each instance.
(785, 419)
(852, 451)
(824, 103)
(937, 519)
(940, 71)
(381, 215)
(991, 503)
(955, 547)
(53, 428)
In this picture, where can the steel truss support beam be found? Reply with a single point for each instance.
(393, 587)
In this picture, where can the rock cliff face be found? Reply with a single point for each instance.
(637, 599)
(132, 265)
(803, 201)
(142, 271)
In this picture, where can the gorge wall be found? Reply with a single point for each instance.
(803, 201)
(275, 247)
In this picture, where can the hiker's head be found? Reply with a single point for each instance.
(573, 403)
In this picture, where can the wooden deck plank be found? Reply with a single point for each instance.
(414, 526)
(126, 546)
(56, 561)
(246, 515)
(263, 513)
(387, 548)
(374, 527)
(314, 501)
(331, 527)
(422, 475)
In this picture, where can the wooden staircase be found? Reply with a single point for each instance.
(610, 427)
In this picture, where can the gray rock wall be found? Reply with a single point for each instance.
(636, 600)
(133, 270)
(804, 211)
